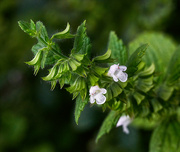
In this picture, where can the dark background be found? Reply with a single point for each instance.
(35, 119)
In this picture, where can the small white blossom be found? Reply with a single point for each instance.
(96, 94)
(117, 72)
(124, 121)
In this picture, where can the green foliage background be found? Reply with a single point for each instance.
(35, 119)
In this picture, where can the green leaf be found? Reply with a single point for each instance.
(103, 57)
(109, 122)
(166, 137)
(81, 42)
(119, 51)
(64, 34)
(80, 104)
(135, 59)
(42, 33)
(159, 52)
(28, 28)
(173, 71)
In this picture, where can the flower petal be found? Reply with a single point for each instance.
(92, 100)
(125, 129)
(123, 68)
(104, 91)
(115, 78)
(123, 77)
(93, 89)
(100, 99)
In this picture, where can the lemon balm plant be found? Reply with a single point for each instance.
(138, 84)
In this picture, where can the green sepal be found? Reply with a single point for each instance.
(119, 51)
(138, 96)
(135, 59)
(80, 104)
(78, 85)
(93, 79)
(29, 28)
(74, 64)
(147, 72)
(116, 89)
(44, 57)
(35, 60)
(37, 67)
(108, 94)
(164, 91)
(78, 57)
(156, 105)
(109, 122)
(99, 70)
(53, 84)
(144, 84)
(105, 56)
(64, 34)
(51, 74)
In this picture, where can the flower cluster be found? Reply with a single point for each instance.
(116, 72)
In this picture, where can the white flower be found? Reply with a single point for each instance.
(124, 121)
(116, 72)
(96, 93)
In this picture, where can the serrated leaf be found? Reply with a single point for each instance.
(80, 104)
(81, 42)
(42, 33)
(119, 51)
(166, 137)
(109, 122)
(103, 57)
(135, 59)
(28, 28)
(64, 34)
(173, 71)
(159, 52)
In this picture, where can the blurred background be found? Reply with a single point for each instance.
(35, 119)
